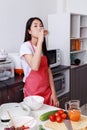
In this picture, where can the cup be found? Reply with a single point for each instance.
(73, 108)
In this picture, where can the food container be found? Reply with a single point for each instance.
(17, 63)
(6, 70)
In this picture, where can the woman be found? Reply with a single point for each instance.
(37, 74)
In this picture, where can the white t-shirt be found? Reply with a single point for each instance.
(26, 48)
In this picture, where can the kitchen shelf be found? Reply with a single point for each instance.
(79, 51)
(78, 36)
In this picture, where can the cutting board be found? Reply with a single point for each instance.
(61, 126)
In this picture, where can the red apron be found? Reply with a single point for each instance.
(37, 82)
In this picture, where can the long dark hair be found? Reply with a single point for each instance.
(28, 36)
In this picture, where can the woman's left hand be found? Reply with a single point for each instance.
(54, 100)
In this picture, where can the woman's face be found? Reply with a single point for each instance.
(35, 27)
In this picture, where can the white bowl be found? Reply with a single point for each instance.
(34, 102)
(26, 121)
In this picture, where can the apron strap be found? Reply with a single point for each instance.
(32, 46)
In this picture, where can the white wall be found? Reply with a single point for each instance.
(76, 6)
(13, 17)
(72, 6)
(15, 13)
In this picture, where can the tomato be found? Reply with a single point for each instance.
(63, 115)
(59, 119)
(57, 114)
(61, 111)
(52, 118)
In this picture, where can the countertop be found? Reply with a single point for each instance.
(37, 114)
(11, 81)
(19, 78)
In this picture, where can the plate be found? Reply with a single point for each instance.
(14, 109)
(28, 121)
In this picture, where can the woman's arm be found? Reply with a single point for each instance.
(54, 97)
(34, 60)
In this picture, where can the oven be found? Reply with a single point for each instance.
(59, 82)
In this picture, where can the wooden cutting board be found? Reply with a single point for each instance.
(61, 126)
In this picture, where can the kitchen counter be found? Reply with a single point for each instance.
(37, 114)
(42, 110)
(14, 86)
(11, 81)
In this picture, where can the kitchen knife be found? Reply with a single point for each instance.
(67, 123)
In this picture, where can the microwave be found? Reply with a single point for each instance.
(59, 82)
(54, 57)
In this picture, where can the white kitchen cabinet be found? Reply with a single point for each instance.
(59, 35)
(78, 38)
(68, 32)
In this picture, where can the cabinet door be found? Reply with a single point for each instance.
(79, 83)
(63, 99)
(59, 34)
(3, 96)
(15, 93)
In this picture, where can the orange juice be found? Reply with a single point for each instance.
(74, 114)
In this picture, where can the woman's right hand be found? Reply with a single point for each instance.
(41, 35)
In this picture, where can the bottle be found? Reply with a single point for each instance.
(45, 32)
(77, 45)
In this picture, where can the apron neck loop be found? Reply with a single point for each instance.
(32, 46)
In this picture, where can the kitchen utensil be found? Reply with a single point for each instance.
(15, 109)
(11, 119)
(67, 123)
(62, 126)
(72, 104)
(17, 62)
(73, 109)
(34, 102)
(6, 70)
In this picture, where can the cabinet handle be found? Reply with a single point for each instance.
(8, 98)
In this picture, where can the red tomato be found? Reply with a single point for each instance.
(58, 119)
(52, 118)
(57, 114)
(63, 115)
(61, 111)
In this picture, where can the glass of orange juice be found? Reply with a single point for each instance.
(73, 108)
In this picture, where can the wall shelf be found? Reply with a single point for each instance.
(78, 38)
